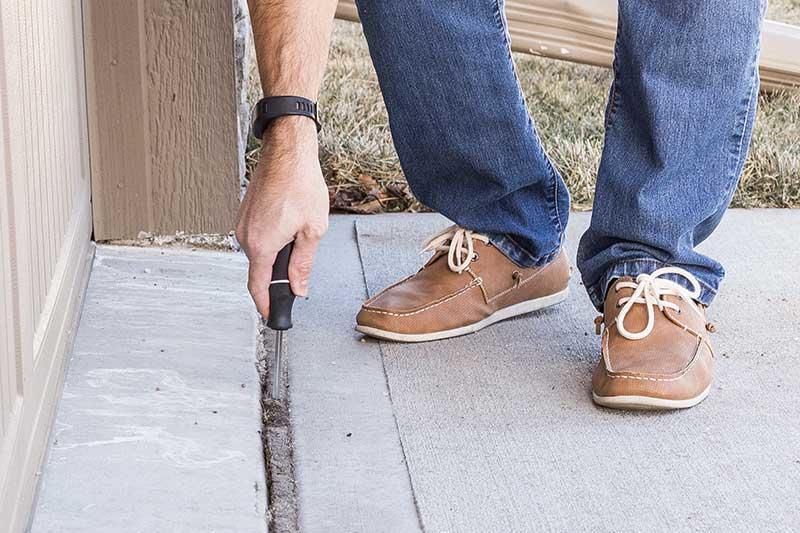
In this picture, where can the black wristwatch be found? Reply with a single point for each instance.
(272, 107)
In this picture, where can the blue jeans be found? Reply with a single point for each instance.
(678, 123)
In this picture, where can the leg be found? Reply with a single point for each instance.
(459, 122)
(678, 124)
(469, 150)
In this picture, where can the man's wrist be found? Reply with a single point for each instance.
(292, 128)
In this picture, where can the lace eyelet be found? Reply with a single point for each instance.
(475, 256)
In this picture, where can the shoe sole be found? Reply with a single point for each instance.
(521, 308)
(647, 403)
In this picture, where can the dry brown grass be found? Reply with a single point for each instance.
(566, 101)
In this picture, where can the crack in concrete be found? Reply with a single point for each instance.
(276, 435)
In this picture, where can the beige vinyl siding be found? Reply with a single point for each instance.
(162, 116)
(45, 227)
(583, 31)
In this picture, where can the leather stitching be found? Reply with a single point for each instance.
(670, 314)
(383, 292)
(695, 357)
(521, 283)
(606, 351)
(477, 282)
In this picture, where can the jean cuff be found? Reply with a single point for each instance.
(519, 255)
(634, 267)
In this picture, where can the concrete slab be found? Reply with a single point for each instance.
(500, 434)
(491, 432)
(158, 427)
(349, 464)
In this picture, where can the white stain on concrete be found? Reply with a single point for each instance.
(171, 448)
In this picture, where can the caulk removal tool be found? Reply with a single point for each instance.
(281, 300)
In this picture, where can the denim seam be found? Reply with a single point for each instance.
(554, 179)
(521, 248)
(498, 14)
(736, 169)
(614, 95)
(514, 251)
(743, 131)
(553, 197)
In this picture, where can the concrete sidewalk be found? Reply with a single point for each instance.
(496, 431)
(158, 428)
(159, 425)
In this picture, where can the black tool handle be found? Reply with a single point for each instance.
(281, 297)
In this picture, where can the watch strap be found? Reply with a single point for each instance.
(272, 107)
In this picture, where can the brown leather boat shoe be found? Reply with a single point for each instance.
(467, 285)
(655, 348)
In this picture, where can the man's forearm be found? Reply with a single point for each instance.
(292, 38)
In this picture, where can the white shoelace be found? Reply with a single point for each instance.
(649, 289)
(457, 242)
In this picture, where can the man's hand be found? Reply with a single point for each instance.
(287, 200)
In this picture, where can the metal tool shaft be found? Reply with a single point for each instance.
(275, 392)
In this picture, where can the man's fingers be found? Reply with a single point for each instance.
(300, 263)
(260, 275)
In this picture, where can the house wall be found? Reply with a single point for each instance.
(163, 119)
(45, 228)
